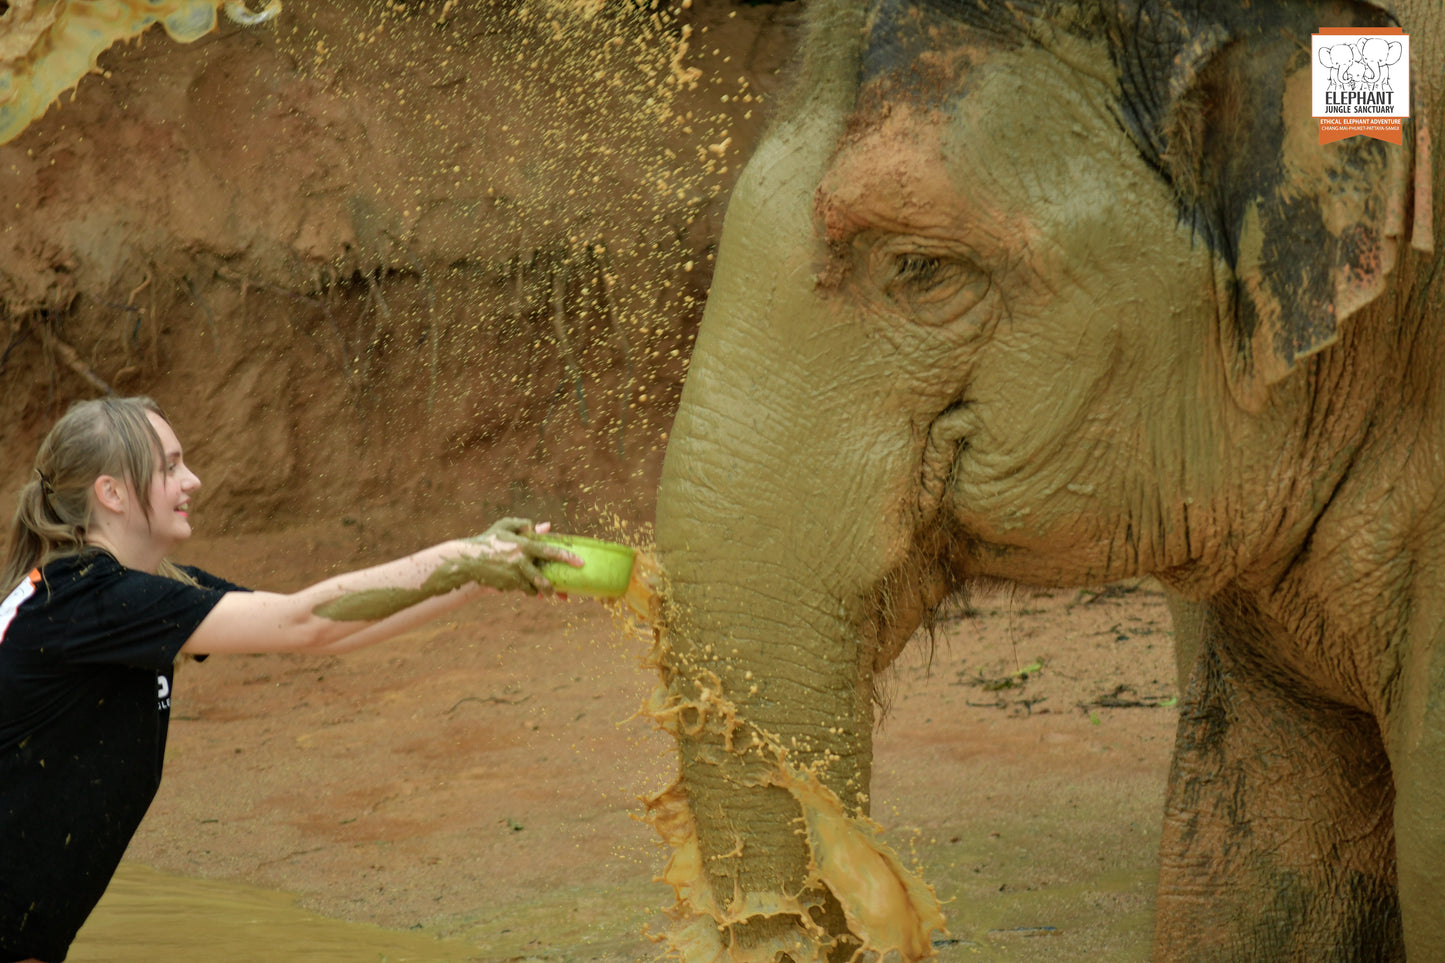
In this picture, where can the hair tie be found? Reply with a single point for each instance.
(45, 485)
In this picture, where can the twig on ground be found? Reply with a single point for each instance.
(1005, 704)
(999, 683)
(1118, 700)
(496, 699)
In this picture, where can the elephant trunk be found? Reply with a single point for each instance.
(744, 745)
(785, 524)
(767, 667)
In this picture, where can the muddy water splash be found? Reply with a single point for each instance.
(889, 908)
(47, 46)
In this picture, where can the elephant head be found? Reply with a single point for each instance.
(1058, 293)
(1376, 55)
(1339, 58)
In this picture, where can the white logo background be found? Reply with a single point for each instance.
(1360, 75)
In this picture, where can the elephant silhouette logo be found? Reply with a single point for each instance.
(1338, 59)
(1360, 82)
(1363, 65)
(1371, 69)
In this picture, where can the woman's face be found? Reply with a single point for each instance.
(170, 491)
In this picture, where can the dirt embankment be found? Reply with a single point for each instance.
(410, 265)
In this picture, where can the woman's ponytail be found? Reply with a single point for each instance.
(46, 524)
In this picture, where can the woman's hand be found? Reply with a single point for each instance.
(510, 557)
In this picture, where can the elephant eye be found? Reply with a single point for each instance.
(917, 268)
(932, 285)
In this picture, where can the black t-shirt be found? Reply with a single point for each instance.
(86, 657)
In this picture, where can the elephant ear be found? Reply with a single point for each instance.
(1307, 232)
(1311, 250)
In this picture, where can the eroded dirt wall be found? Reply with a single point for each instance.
(411, 264)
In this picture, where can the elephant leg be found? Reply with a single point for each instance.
(1278, 842)
(1416, 727)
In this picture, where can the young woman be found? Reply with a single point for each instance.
(95, 618)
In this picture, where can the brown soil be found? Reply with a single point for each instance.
(399, 270)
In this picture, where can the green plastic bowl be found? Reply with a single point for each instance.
(605, 575)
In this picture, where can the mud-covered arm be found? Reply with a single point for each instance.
(366, 606)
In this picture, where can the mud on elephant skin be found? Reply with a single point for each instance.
(1061, 293)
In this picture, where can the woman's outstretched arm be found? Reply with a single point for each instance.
(359, 608)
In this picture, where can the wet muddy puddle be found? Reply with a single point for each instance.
(148, 915)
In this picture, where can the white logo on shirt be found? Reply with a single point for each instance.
(163, 692)
(11, 605)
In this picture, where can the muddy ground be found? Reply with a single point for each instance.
(397, 269)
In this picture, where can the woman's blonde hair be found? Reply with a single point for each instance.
(105, 436)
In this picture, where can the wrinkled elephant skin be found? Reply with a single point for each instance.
(1063, 293)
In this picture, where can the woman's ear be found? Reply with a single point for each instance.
(110, 493)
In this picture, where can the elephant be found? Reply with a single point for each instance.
(1376, 55)
(1059, 293)
(1340, 58)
